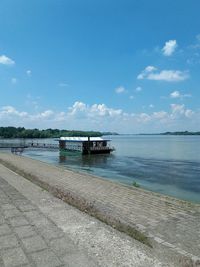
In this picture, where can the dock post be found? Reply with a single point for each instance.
(88, 144)
(62, 144)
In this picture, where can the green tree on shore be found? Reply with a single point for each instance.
(21, 132)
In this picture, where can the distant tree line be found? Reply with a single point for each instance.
(21, 132)
(181, 133)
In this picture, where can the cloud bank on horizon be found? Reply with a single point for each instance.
(117, 74)
(102, 118)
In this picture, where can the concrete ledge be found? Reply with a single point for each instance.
(168, 225)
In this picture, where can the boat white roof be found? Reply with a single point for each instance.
(81, 139)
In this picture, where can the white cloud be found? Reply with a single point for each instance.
(150, 68)
(169, 47)
(101, 117)
(46, 114)
(143, 117)
(177, 94)
(120, 90)
(103, 110)
(80, 110)
(13, 80)
(138, 89)
(160, 115)
(131, 97)
(180, 111)
(146, 72)
(6, 60)
(28, 72)
(151, 106)
(189, 113)
(169, 76)
(11, 111)
(164, 75)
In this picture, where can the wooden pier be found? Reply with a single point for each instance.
(19, 147)
(84, 145)
(12, 145)
(43, 145)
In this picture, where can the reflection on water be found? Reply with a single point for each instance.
(165, 164)
(83, 160)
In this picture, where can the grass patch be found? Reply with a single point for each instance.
(135, 184)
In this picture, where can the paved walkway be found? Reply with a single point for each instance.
(172, 226)
(29, 238)
(37, 229)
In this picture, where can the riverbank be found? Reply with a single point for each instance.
(170, 227)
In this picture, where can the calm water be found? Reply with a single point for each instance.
(165, 164)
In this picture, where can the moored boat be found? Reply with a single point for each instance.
(86, 145)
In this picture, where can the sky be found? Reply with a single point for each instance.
(125, 66)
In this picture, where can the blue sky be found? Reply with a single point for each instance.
(126, 66)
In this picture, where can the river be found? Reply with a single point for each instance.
(166, 164)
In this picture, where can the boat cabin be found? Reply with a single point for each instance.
(85, 145)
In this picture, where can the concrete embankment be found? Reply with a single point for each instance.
(170, 227)
(40, 230)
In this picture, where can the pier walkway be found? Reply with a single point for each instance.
(24, 145)
(169, 226)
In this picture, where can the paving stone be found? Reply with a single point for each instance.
(4, 201)
(1, 261)
(10, 191)
(4, 229)
(50, 231)
(2, 220)
(22, 202)
(18, 221)
(3, 184)
(15, 197)
(26, 207)
(8, 206)
(34, 243)
(3, 195)
(14, 257)
(8, 241)
(46, 258)
(34, 215)
(25, 231)
(62, 246)
(11, 213)
(78, 260)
